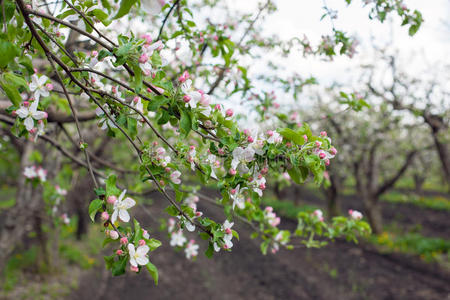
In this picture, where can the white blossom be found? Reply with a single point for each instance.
(30, 113)
(241, 157)
(177, 239)
(138, 256)
(37, 86)
(121, 206)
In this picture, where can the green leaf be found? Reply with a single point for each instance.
(109, 261)
(210, 251)
(235, 234)
(119, 266)
(111, 188)
(12, 93)
(153, 244)
(171, 210)
(291, 135)
(8, 52)
(15, 80)
(298, 174)
(94, 206)
(137, 231)
(153, 271)
(125, 6)
(185, 123)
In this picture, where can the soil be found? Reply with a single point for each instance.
(339, 271)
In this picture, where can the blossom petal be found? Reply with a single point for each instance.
(131, 249)
(22, 112)
(122, 195)
(142, 260)
(142, 250)
(133, 261)
(39, 115)
(128, 202)
(29, 123)
(124, 215)
(114, 216)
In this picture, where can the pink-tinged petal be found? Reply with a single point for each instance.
(142, 250)
(124, 215)
(39, 115)
(22, 112)
(114, 216)
(128, 202)
(29, 123)
(122, 195)
(142, 260)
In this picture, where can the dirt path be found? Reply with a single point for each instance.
(339, 271)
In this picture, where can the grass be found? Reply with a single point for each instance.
(432, 202)
(25, 277)
(428, 248)
(287, 208)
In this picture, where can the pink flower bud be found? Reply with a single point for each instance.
(305, 137)
(323, 133)
(288, 144)
(247, 132)
(333, 151)
(155, 143)
(124, 241)
(232, 172)
(250, 139)
(269, 132)
(184, 77)
(264, 170)
(33, 130)
(134, 269)
(111, 199)
(322, 155)
(217, 107)
(26, 103)
(141, 242)
(262, 186)
(45, 115)
(233, 191)
(276, 105)
(114, 89)
(94, 53)
(14, 113)
(143, 58)
(119, 252)
(198, 213)
(113, 234)
(216, 38)
(269, 209)
(229, 112)
(136, 99)
(202, 40)
(105, 216)
(186, 98)
(49, 87)
(250, 179)
(228, 231)
(318, 144)
(327, 162)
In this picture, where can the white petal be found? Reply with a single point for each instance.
(142, 260)
(122, 195)
(22, 112)
(114, 216)
(124, 215)
(29, 123)
(39, 115)
(142, 250)
(133, 261)
(34, 106)
(128, 202)
(131, 249)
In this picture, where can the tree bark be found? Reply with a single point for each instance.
(373, 212)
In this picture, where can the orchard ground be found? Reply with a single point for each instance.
(339, 271)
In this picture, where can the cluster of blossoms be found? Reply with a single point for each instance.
(281, 238)
(355, 215)
(30, 114)
(226, 242)
(271, 217)
(318, 214)
(177, 238)
(195, 99)
(59, 194)
(34, 172)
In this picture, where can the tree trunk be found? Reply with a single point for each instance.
(418, 184)
(372, 210)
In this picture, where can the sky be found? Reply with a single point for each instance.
(295, 18)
